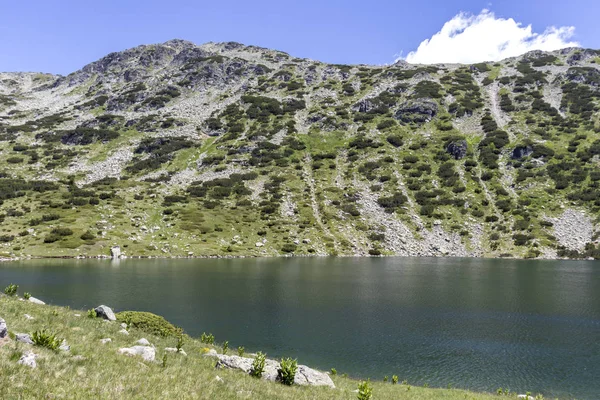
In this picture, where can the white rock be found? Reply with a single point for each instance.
(106, 340)
(3, 328)
(146, 352)
(123, 325)
(64, 346)
(526, 397)
(35, 301)
(23, 338)
(27, 316)
(143, 342)
(115, 252)
(124, 332)
(174, 350)
(211, 353)
(77, 315)
(28, 359)
(105, 312)
(218, 379)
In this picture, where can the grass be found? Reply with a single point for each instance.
(95, 371)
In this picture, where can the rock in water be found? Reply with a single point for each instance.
(28, 359)
(115, 252)
(35, 301)
(105, 312)
(3, 329)
(23, 338)
(146, 352)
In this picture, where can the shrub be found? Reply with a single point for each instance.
(45, 339)
(394, 379)
(148, 322)
(288, 248)
(207, 338)
(26, 295)
(258, 365)
(241, 350)
(225, 346)
(365, 391)
(61, 231)
(11, 290)
(333, 371)
(88, 236)
(92, 313)
(287, 371)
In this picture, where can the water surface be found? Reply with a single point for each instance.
(473, 323)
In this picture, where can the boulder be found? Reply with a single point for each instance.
(3, 329)
(174, 350)
(418, 111)
(115, 252)
(105, 312)
(23, 338)
(28, 359)
(520, 152)
(457, 149)
(35, 301)
(146, 352)
(143, 342)
(304, 375)
(312, 377)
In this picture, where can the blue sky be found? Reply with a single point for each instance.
(62, 36)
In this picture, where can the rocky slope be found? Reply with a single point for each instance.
(224, 149)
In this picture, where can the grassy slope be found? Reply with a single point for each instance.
(105, 374)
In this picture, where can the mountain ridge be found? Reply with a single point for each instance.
(296, 156)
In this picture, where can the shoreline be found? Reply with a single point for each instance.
(195, 257)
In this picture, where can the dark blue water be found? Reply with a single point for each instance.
(476, 324)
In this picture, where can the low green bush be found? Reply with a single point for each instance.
(365, 391)
(11, 290)
(258, 365)
(43, 338)
(148, 322)
(287, 371)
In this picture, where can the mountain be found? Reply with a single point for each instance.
(223, 149)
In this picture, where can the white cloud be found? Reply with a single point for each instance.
(469, 38)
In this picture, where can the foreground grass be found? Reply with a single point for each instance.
(95, 371)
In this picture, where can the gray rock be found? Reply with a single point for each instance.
(115, 252)
(457, 149)
(64, 346)
(304, 376)
(105, 312)
(520, 152)
(143, 342)
(23, 338)
(526, 397)
(124, 332)
(146, 352)
(28, 359)
(106, 340)
(35, 301)
(3, 328)
(174, 350)
(418, 111)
